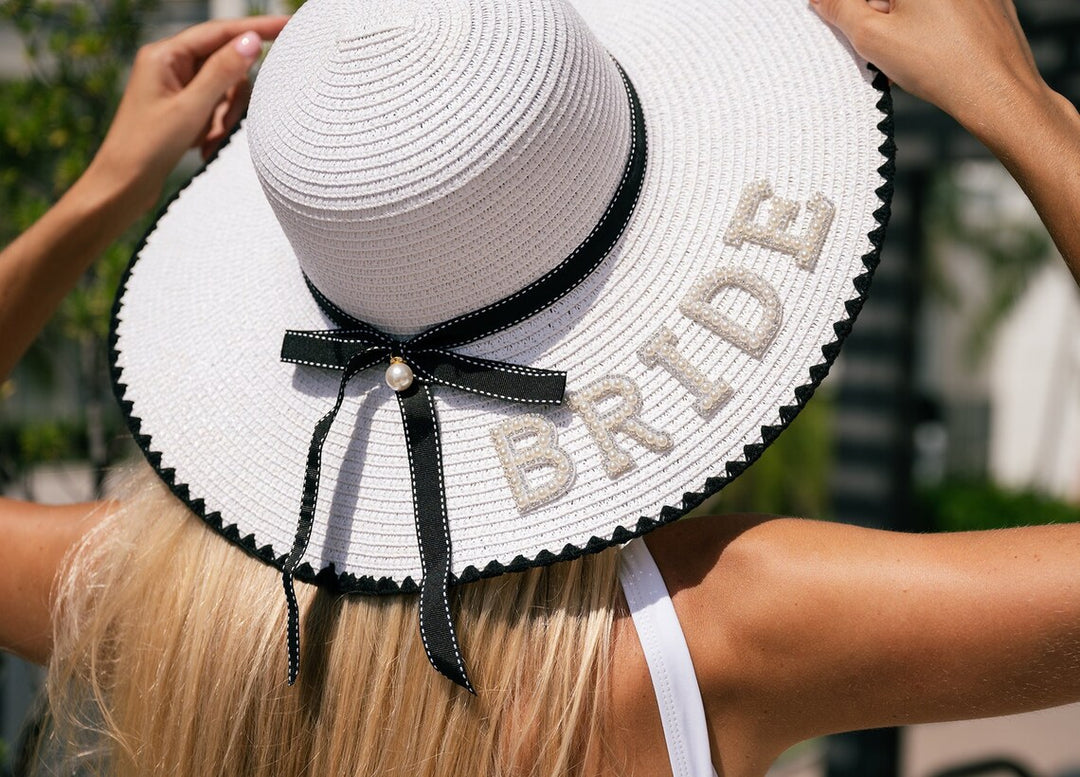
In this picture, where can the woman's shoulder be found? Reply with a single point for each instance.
(801, 628)
(700, 563)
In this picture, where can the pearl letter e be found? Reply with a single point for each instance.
(528, 448)
(775, 232)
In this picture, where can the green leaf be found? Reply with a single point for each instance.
(968, 505)
(51, 123)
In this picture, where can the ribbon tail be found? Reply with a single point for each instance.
(292, 630)
(509, 382)
(432, 533)
(307, 510)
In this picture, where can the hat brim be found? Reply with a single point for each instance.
(733, 94)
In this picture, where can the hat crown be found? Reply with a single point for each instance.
(428, 158)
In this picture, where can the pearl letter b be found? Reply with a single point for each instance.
(528, 447)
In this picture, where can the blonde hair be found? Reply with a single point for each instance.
(169, 658)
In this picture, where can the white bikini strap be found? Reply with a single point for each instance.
(677, 693)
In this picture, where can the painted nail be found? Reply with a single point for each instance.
(249, 44)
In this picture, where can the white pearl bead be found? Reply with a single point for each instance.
(399, 376)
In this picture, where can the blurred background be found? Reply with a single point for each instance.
(955, 404)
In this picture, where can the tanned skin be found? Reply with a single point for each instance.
(801, 628)
(796, 628)
(184, 92)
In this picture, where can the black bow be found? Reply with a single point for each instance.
(354, 348)
(357, 346)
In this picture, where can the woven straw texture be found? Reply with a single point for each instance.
(419, 160)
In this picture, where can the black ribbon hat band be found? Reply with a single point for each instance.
(417, 364)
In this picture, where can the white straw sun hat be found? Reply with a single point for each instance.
(674, 206)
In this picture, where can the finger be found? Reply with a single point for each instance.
(847, 15)
(215, 128)
(207, 129)
(225, 68)
(212, 135)
(204, 39)
(883, 6)
(226, 115)
(238, 103)
(209, 148)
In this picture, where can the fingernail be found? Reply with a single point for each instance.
(249, 44)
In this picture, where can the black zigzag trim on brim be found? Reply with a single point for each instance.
(345, 582)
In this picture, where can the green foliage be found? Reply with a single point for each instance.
(972, 505)
(45, 441)
(52, 123)
(792, 476)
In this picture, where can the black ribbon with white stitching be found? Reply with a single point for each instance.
(356, 346)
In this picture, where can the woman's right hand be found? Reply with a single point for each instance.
(969, 58)
(972, 60)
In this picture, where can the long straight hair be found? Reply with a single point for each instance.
(169, 659)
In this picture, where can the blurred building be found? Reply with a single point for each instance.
(1034, 380)
(1011, 412)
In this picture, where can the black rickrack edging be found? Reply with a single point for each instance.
(345, 582)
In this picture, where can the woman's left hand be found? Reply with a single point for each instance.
(184, 92)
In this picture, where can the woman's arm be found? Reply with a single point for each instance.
(184, 91)
(972, 60)
(801, 628)
(188, 90)
(35, 540)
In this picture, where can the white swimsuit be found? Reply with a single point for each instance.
(674, 680)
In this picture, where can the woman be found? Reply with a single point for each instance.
(795, 628)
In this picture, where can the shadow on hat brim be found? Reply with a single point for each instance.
(734, 98)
